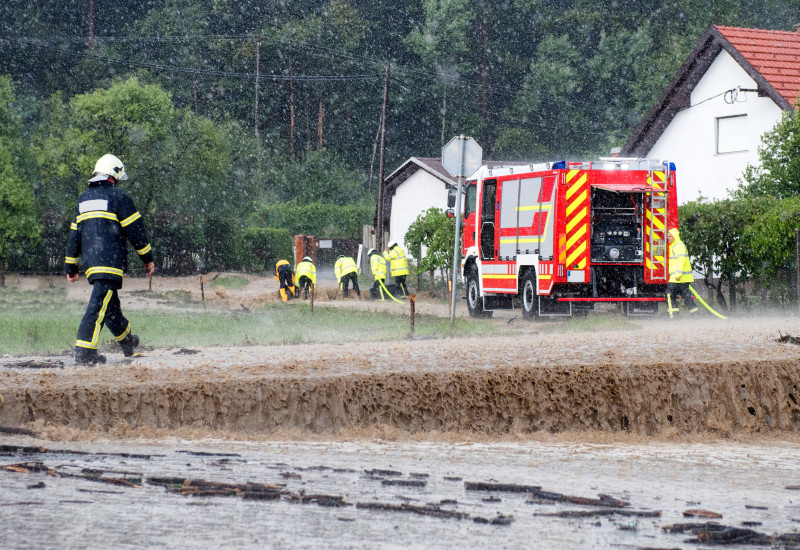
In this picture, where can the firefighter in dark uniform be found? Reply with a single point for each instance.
(285, 276)
(105, 218)
(306, 274)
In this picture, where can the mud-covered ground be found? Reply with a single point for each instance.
(665, 416)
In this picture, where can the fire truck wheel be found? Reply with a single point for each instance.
(529, 297)
(474, 302)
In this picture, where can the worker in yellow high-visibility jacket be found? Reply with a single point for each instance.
(398, 265)
(306, 274)
(285, 276)
(377, 264)
(680, 274)
(346, 272)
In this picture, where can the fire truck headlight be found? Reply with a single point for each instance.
(613, 253)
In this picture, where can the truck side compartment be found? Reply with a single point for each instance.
(557, 238)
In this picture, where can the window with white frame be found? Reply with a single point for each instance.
(731, 134)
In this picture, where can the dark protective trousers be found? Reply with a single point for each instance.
(103, 309)
(400, 281)
(304, 284)
(346, 279)
(286, 279)
(680, 289)
(376, 292)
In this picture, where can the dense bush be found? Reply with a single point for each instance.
(263, 247)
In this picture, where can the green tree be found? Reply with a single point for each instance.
(778, 174)
(433, 234)
(715, 235)
(19, 227)
(178, 163)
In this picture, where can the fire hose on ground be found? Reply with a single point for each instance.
(697, 296)
(387, 291)
(708, 307)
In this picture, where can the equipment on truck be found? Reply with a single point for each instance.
(556, 238)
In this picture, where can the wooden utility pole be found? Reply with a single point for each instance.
(444, 110)
(319, 127)
(194, 91)
(255, 110)
(382, 162)
(91, 25)
(291, 111)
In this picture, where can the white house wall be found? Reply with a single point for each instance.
(690, 141)
(413, 197)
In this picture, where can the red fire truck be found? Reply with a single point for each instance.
(554, 239)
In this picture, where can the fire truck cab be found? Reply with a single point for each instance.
(554, 239)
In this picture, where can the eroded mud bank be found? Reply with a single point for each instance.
(662, 379)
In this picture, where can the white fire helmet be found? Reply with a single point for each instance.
(308, 259)
(109, 165)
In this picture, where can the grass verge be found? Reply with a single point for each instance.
(45, 322)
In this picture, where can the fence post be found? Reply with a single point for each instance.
(412, 300)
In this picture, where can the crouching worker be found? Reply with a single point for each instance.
(346, 272)
(680, 274)
(105, 218)
(285, 276)
(377, 264)
(306, 275)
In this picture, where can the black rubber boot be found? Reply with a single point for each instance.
(88, 357)
(128, 343)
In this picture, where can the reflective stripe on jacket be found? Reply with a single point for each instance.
(680, 267)
(378, 265)
(307, 269)
(397, 257)
(344, 266)
(105, 218)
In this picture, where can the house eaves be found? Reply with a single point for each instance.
(677, 95)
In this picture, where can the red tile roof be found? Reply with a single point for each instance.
(774, 54)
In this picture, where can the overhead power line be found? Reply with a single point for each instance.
(193, 70)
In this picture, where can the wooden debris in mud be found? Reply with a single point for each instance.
(36, 365)
(382, 473)
(204, 453)
(16, 431)
(715, 534)
(404, 482)
(422, 510)
(21, 449)
(788, 339)
(500, 519)
(537, 494)
(27, 468)
(698, 513)
(432, 510)
(322, 500)
(500, 487)
(602, 512)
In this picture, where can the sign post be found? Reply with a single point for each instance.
(462, 156)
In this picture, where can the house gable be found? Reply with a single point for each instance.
(770, 58)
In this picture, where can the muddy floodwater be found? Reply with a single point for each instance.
(383, 494)
(657, 434)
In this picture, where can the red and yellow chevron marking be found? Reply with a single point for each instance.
(656, 224)
(577, 218)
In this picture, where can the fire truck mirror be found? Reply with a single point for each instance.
(451, 198)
